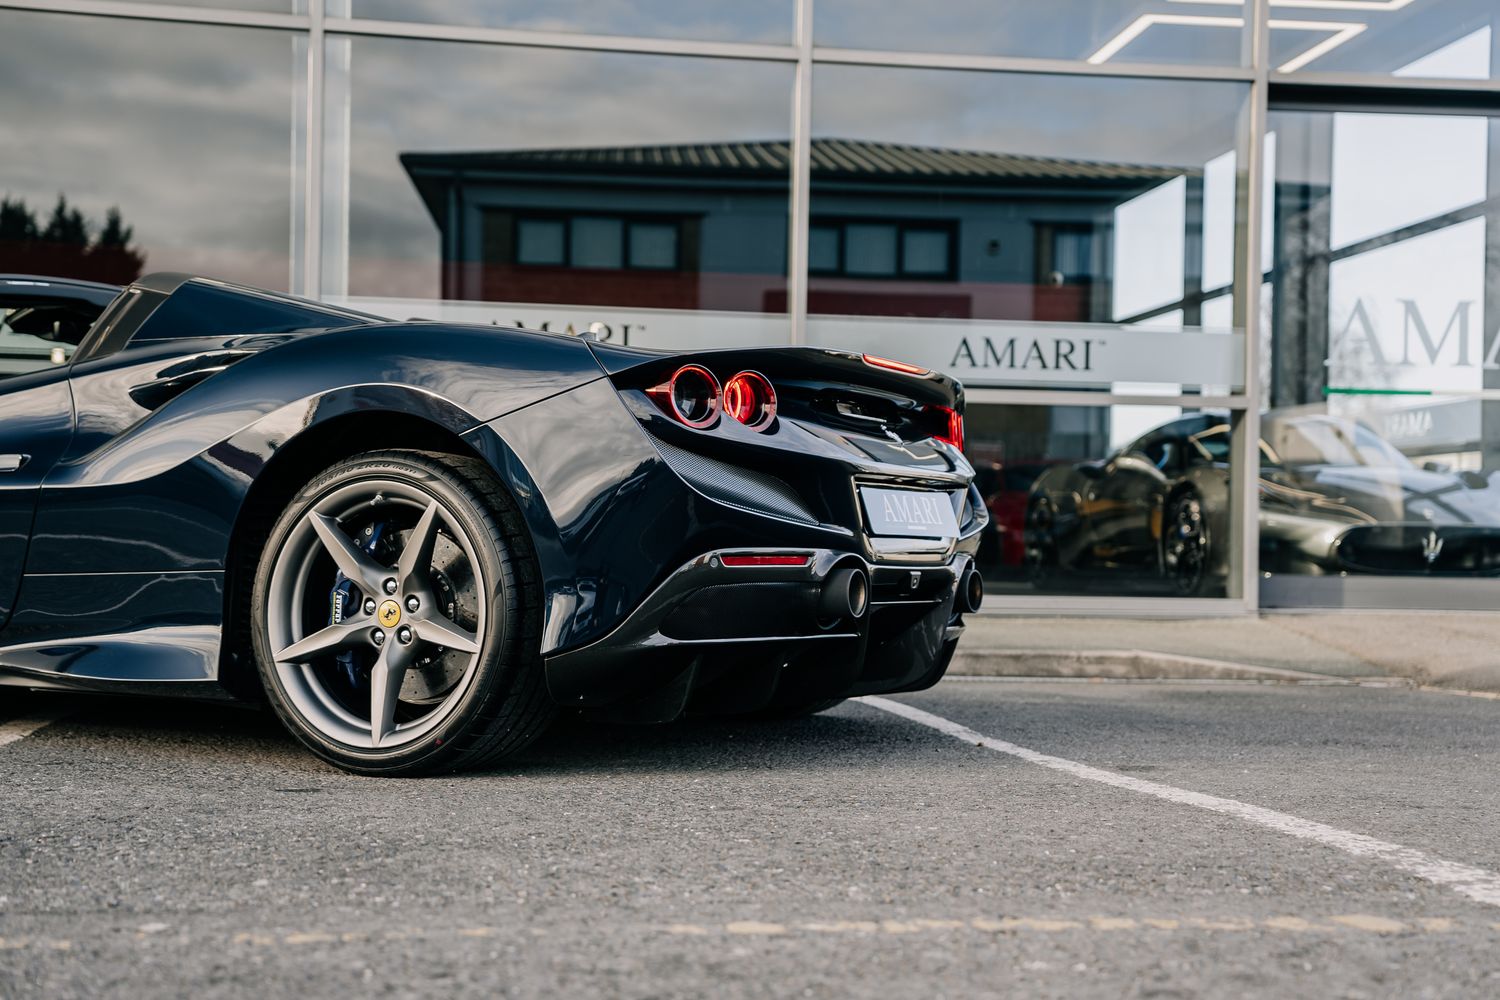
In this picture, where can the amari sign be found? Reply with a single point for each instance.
(978, 352)
(1410, 316)
(1399, 348)
(1051, 355)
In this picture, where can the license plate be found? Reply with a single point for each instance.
(909, 513)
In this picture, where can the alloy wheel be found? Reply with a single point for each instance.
(376, 613)
(1186, 549)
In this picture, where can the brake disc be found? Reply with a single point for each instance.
(433, 676)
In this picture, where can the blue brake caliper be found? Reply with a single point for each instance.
(341, 603)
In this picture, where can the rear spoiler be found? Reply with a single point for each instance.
(803, 364)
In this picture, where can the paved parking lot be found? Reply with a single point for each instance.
(1058, 838)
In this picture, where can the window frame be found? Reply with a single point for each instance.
(628, 221)
(840, 225)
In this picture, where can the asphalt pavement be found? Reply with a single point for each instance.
(1039, 838)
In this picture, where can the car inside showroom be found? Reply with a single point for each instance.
(1222, 286)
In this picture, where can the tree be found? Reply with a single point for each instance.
(17, 223)
(63, 248)
(67, 225)
(115, 233)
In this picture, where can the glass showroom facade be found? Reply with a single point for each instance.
(1221, 277)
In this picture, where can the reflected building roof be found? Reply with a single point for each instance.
(842, 158)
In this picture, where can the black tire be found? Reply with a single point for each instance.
(498, 706)
(1186, 545)
(1041, 544)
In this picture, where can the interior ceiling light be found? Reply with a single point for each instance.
(1342, 31)
(1136, 28)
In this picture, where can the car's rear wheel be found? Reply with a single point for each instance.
(1041, 543)
(1185, 545)
(395, 617)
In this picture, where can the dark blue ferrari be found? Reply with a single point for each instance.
(419, 541)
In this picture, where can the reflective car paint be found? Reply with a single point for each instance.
(142, 500)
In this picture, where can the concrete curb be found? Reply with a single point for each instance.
(1138, 664)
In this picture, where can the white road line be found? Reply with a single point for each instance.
(1476, 883)
(19, 729)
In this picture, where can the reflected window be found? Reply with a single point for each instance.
(653, 245)
(591, 241)
(880, 249)
(541, 241)
(1064, 254)
(1098, 222)
(924, 252)
(823, 243)
(176, 153)
(870, 250)
(1069, 514)
(38, 333)
(1381, 443)
(663, 187)
(598, 242)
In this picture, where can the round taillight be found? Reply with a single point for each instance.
(750, 399)
(693, 394)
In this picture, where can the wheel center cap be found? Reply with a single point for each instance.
(389, 614)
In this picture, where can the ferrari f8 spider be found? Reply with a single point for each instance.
(419, 541)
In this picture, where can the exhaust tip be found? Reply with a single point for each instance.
(846, 594)
(859, 593)
(971, 590)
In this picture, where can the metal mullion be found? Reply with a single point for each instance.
(561, 39)
(1025, 64)
(1245, 491)
(799, 202)
(164, 12)
(312, 237)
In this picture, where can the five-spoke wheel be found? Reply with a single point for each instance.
(1185, 553)
(390, 613)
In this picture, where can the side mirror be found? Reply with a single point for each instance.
(1437, 466)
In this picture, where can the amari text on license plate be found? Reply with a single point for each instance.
(909, 513)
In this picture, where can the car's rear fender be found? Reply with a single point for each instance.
(608, 517)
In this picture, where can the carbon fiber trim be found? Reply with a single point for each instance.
(731, 484)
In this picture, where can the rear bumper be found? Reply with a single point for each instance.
(739, 638)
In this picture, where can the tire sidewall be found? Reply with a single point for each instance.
(496, 660)
(1201, 584)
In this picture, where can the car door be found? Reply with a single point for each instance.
(42, 322)
(36, 422)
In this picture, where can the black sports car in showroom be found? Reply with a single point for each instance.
(418, 540)
(1334, 498)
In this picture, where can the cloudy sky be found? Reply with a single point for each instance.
(715, 20)
(186, 128)
(190, 129)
